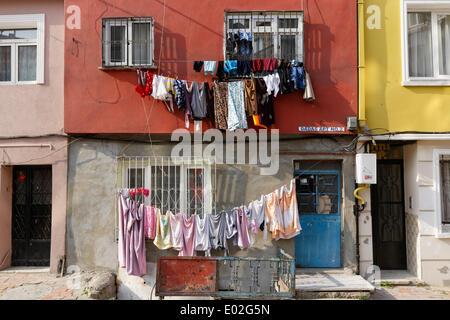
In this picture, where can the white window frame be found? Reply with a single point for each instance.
(435, 8)
(442, 230)
(25, 21)
(273, 18)
(128, 40)
(183, 187)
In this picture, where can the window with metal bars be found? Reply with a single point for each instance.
(180, 187)
(273, 35)
(444, 166)
(127, 42)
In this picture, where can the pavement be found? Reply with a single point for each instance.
(410, 293)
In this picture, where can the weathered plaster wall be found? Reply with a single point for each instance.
(91, 208)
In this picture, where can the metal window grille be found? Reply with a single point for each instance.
(179, 185)
(444, 165)
(127, 42)
(274, 34)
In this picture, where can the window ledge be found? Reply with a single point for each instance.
(426, 83)
(127, 68)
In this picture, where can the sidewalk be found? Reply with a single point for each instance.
(411, 293)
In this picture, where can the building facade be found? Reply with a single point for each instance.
(125, 140)
(33, 146)
(404, 120)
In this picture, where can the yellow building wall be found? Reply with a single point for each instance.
(386, 104)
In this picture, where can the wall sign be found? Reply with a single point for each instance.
(321, 129)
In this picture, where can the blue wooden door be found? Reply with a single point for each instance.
(319, 200)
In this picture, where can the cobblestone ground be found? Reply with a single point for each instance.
(36, 286)
(411, 293)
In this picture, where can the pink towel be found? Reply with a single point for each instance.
(188, 226)
(150, 222)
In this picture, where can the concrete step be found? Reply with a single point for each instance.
(349, 295)
(397, 278)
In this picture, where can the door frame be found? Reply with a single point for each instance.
(374, 210)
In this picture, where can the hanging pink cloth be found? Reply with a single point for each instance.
(131, 235)
(150, 222)
(243, 239)
(176, 230)
(188, 226)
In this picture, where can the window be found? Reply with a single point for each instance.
(180, 188)
(441, 162)
(274, 35)
(21, 49)
(426, 42)
(127, 42)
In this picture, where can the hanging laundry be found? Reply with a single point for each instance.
(150, 216)
(265, 104)
(298, 75)
(199, 102)
(189, 229)
(221, 104)
(243, 238)
(218, 232)
(244, 67)
(160, 91)
(309, 91)
(245, 45)
(269, 64)
(202, 238)
(180, 98)
(210, 104)
(163, 233)
(220, 73)
(236, 106)
(272, 83)
(258, 65)
(209, 66)
(273, 214)
(286, 85)
(231, 226)
(251, 103)
(149, 86)
(258, 212)
(290, 223)
(131, 235)
(231, 67)
(176, 231)
(142, 82)
(198, 65)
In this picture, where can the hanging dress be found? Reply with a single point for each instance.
(150, 216)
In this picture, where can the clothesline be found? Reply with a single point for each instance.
(276, 212)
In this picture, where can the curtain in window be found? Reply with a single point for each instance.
(444, 44)
(5, 63)
(118, 45)
(141, 43)
(445, 190)
(419, 44)
(27, 63)
(288, 49)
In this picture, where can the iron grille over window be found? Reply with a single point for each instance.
(264, 35)
(444, 164)
(183, 185)
(127, 42)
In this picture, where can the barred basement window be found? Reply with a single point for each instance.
(127, 42)
(274, 34)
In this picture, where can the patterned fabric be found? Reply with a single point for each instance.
(236, 106)
(180, 98)
(221, 105)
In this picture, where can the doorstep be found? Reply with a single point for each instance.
(330, 283)
(26, 270)
(397, 278)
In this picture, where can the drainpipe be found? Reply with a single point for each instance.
(361, 63)
(356, 210)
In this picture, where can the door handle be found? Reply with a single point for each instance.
(31, 244)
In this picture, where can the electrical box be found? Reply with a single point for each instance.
(352, 123)
(366, 168)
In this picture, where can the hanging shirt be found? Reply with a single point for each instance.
(237, 118)
(150, 222)
(273, 213)
(257, 210)
(265, 104)
(202, 238)
(272, 83)
(243, 238)
(231, 67)
(180, 98)
(218, 232)
(290, 224)
(209, 66)
(188, 226)
(176, 230)
(251, 103)
(163, 233)
(231, 226)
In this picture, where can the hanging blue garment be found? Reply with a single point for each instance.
(298, 76)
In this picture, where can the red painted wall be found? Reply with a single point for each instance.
(98, 101)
